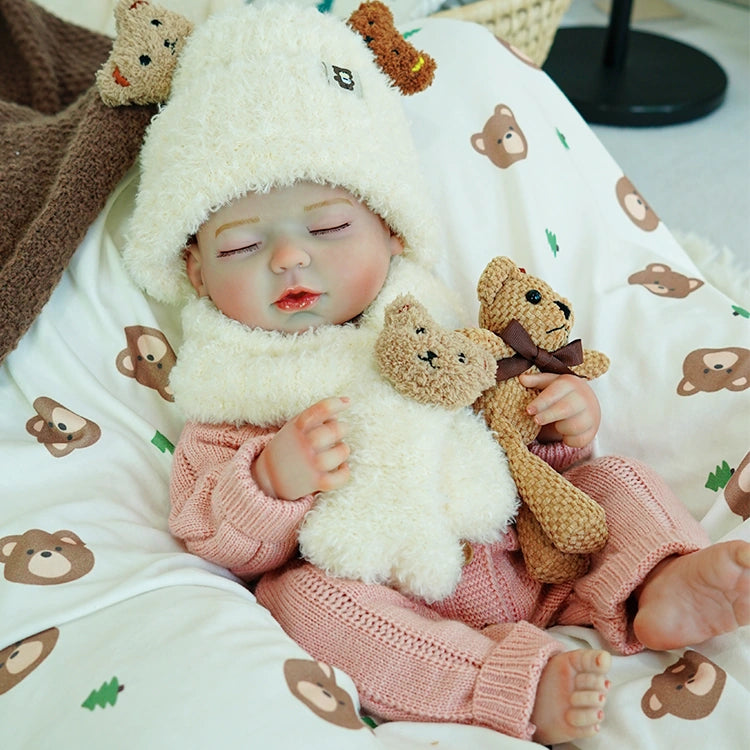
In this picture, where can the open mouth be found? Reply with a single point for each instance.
(293, 300)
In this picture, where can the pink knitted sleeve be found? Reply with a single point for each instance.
(218, 510)
(558, 455)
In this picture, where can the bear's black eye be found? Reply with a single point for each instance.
(462, 358)
(420, 330)
(144, 60)
(534, 296)
(29, 551)
(156, 22)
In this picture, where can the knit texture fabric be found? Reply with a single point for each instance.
(62, 151)
(477, 656)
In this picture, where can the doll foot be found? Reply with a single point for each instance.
(687, 599)
(571, 696)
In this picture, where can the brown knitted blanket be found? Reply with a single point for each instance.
(62, 151)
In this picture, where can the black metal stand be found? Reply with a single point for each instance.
(616, 76)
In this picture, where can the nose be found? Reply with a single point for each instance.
(288, 253)
(565, 309)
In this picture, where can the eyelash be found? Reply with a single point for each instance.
(256, 245)
(330, 230)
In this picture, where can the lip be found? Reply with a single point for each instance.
(296, 298)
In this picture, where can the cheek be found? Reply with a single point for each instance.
(231, 292)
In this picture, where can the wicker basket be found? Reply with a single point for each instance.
(529, 25)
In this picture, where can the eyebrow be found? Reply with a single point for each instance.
(255, 219)
(239, 222)
(330, 202)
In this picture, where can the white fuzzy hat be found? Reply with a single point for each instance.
(264, 96)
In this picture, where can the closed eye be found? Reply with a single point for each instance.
(329, 230)
(245, 249)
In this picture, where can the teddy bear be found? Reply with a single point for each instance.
(144, 54)
(410, 69)
(413, 504)
(429, 363)
(526, 325)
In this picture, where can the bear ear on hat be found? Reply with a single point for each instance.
(411, 70)
(144, 54)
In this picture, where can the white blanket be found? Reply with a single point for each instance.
(150, 647)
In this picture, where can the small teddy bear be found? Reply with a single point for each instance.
(144, 54)
(411, 70)
(526, 325)
(414, 504)
(429, 363)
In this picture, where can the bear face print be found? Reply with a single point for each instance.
(39, 558)
(502, 141)
(712, 370)
(314, 683)
(634, 206)
(689, 689)
(661, 280)
(19, 659)
(737, 491)
(148, 358)
(59, 429)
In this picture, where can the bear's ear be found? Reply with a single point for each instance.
(401, 310)
(652, 706)
(411, 70)
(7, 545)
(497, 271)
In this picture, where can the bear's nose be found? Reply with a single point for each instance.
(565, 309)
(428, 357)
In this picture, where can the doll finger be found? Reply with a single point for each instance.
(537, 380)
(332, 480)
(321, 412)
(327, 435)
(333, 458)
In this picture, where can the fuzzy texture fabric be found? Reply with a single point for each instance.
(62, 151)
(265, 96)
(428, 362)
(144, 55)
(412, 498)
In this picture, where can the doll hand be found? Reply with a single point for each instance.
(567, 408)
(307, 454)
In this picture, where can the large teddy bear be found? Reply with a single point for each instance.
(526, 324)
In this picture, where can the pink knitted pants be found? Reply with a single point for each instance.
(476, 657)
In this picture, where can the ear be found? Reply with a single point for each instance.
(493, 277)
(7, 545)
(477, 140)
(652, 706)
(194, 268)
(396, 244)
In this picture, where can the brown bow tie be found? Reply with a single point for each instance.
(529, 354)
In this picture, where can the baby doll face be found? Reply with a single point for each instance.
(292, 259)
